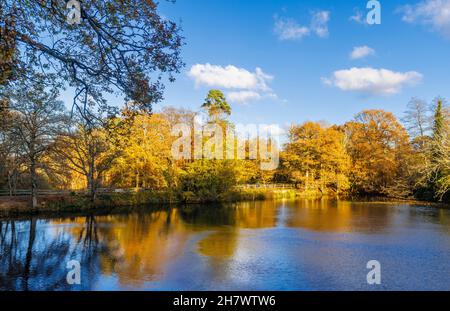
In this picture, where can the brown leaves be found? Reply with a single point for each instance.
(379, 146)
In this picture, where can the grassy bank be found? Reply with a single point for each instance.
(75, 203)
(18, 205)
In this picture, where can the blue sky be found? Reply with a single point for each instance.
(279, 37)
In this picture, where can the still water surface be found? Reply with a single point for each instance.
(270, 245)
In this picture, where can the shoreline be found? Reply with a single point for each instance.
(60, 206)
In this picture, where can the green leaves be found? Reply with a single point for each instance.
(216, 105)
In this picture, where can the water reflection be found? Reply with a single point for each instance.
(226, 246)
(340, 216)
(32, 257)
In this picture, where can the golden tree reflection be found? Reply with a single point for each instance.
(144, 247)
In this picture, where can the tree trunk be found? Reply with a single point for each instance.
(92, 188)
(10, 184)
(34, 202)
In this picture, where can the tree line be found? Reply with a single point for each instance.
(374, 154)
(44, 146)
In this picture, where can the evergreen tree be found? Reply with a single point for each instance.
(440, 152)
(216, 105)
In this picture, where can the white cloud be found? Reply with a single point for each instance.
(246, 86)
(319, 23)
(272, 129)
(243, 96)
(229, 77)
(289, 29)
(435, 13)
(361, 52)
(373, 81)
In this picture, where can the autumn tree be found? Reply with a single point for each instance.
(315, 158)
(184, 117)
(146, 161)
(379, 149)
(210, 176)
(178, 115)
(208, 180)
(252, 163)
(38, 118)
(89, 151)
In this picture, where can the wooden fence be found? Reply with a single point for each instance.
(267, 186)
(46, 192)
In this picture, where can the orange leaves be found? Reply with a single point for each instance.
(316, 156)
(377, 144)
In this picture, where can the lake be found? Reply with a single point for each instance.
(268, 245)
